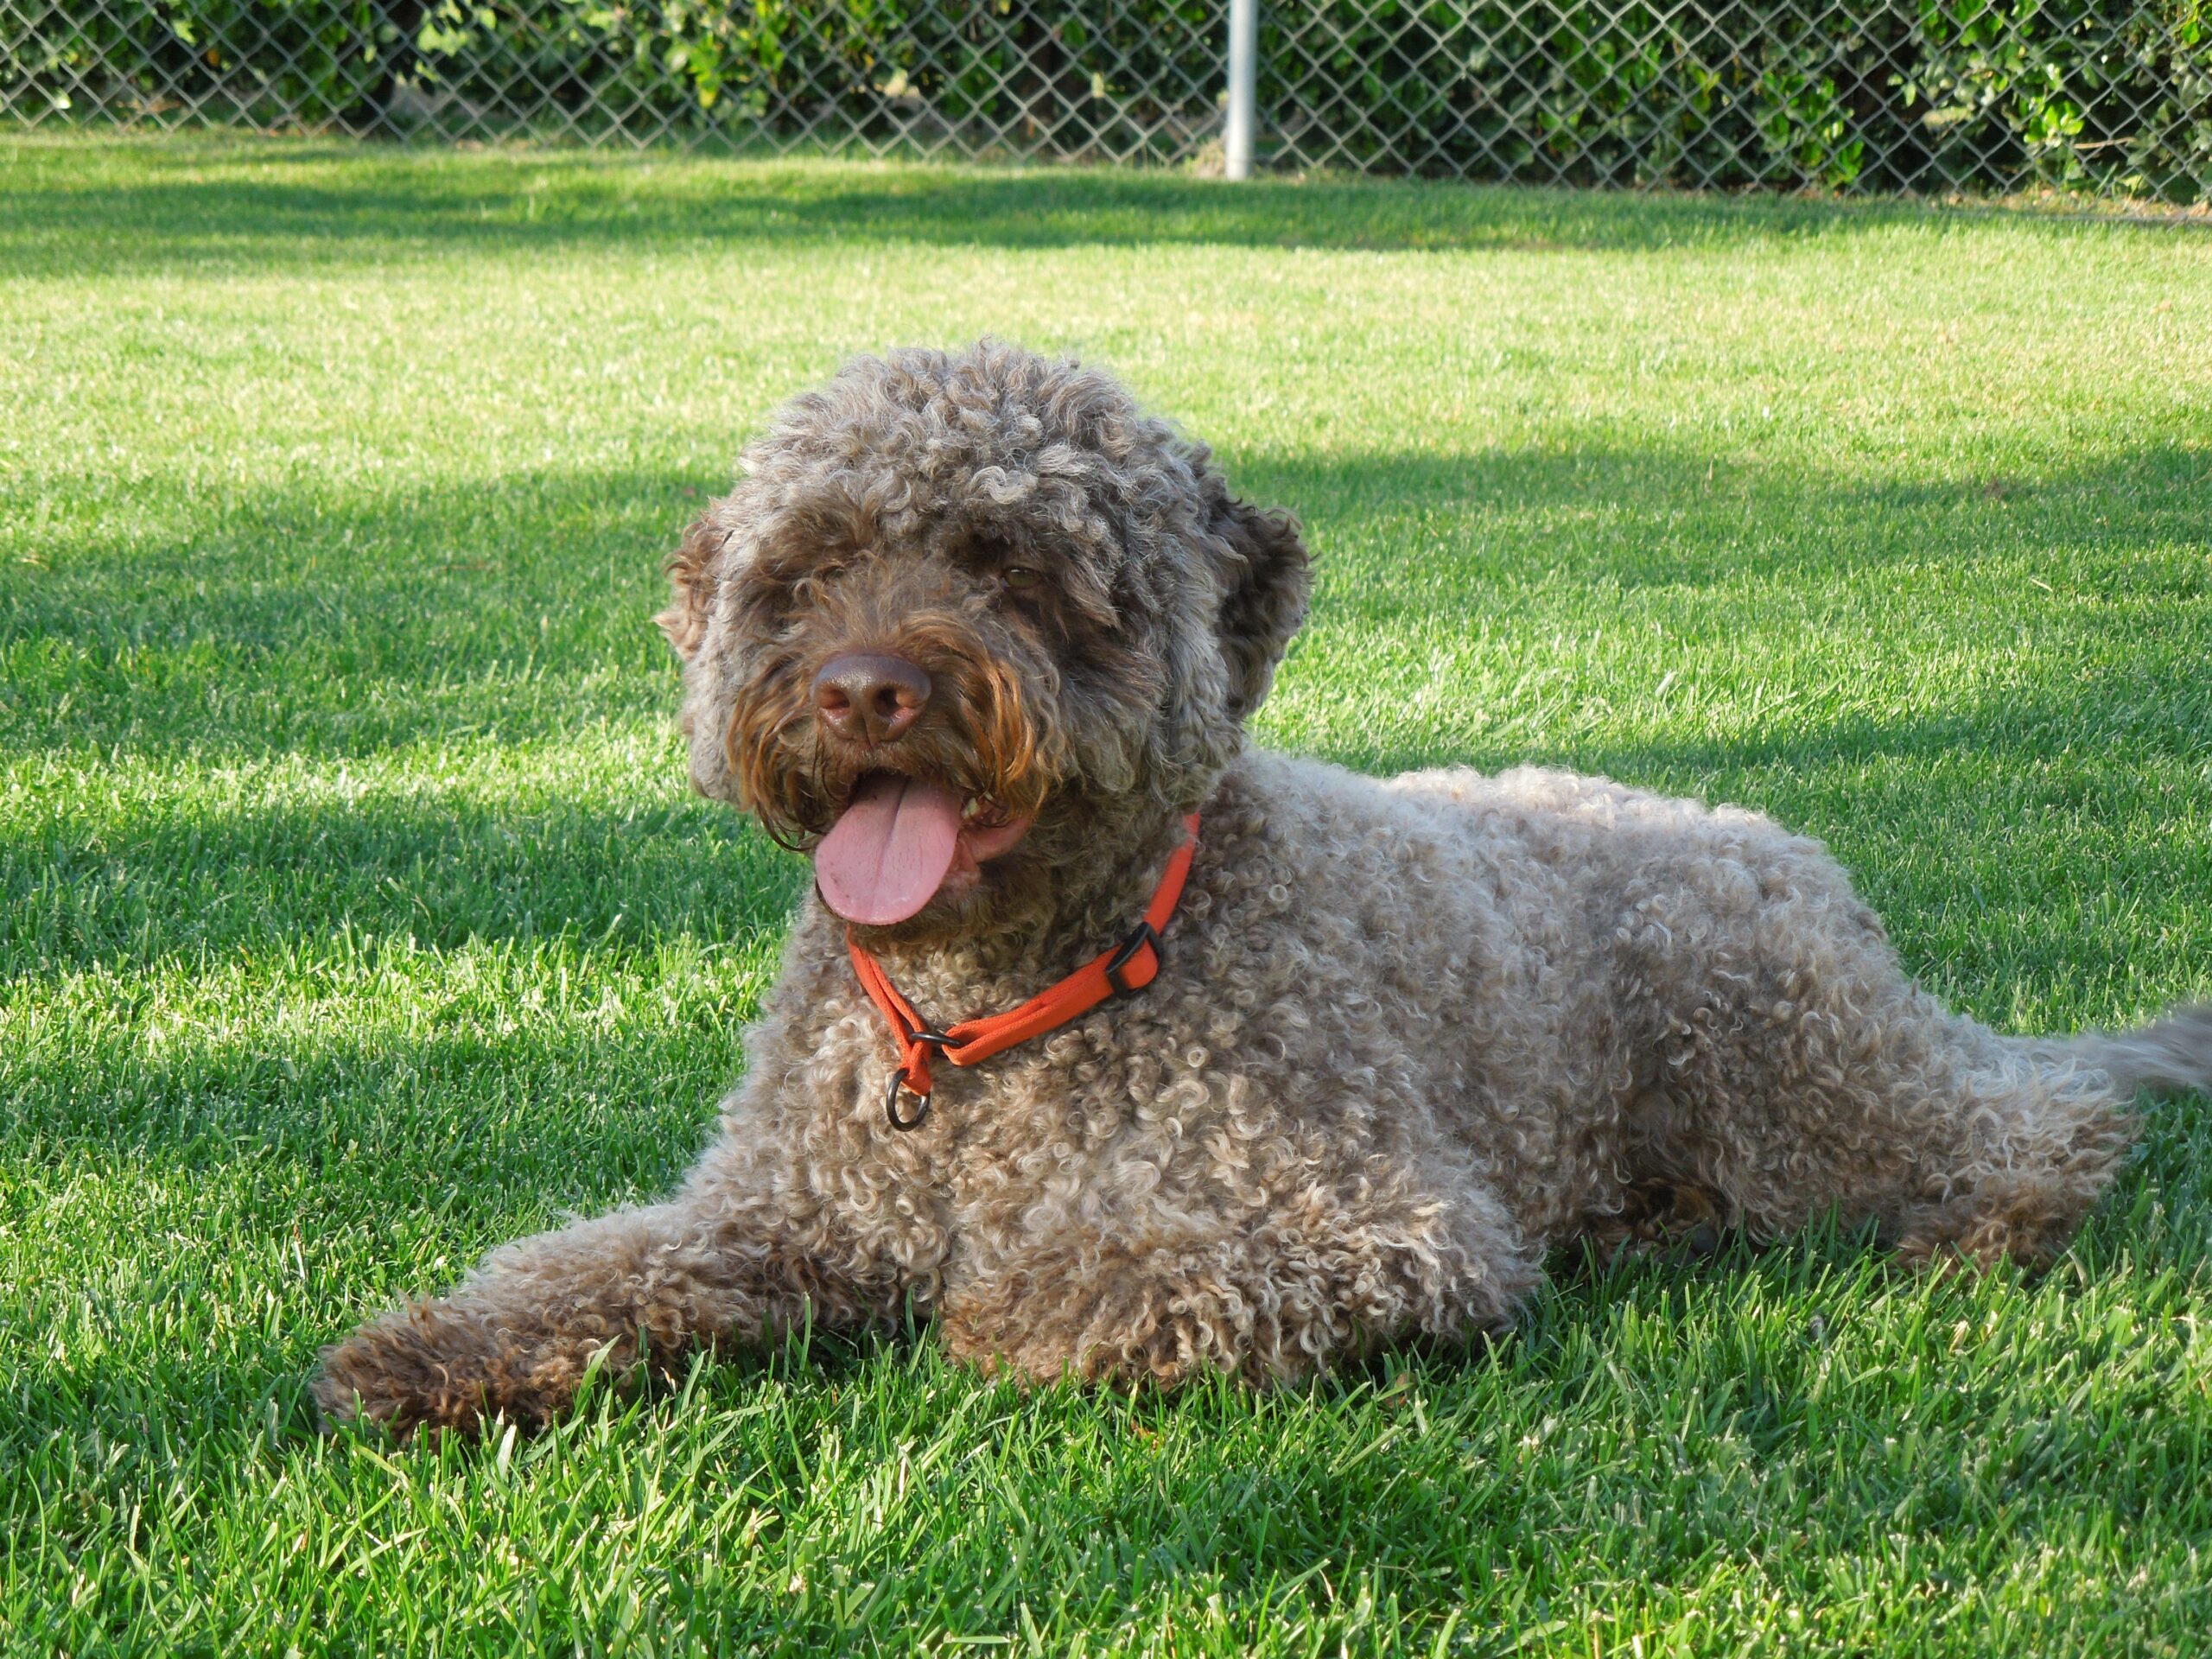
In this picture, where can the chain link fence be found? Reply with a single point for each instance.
(2106, 99)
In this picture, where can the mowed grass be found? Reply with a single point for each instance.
(355, 916)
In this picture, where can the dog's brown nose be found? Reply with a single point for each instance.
(870, 698)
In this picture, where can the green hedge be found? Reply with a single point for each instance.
(317, 63)
(1885, 96)
(2096, 95)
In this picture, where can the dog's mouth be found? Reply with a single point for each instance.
(902, 842)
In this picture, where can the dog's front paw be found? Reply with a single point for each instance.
(429, 1366)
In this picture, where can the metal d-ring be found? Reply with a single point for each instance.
(890, 1102)
(933, 1039)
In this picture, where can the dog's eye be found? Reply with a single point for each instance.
(1020, 578)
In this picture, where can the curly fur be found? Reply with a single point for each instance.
(1408, 1034)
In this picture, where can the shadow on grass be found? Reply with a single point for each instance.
(87, 206)
(521, 607)
(179, 880)
(465, 619)
(2008, 730)
(485, 1099)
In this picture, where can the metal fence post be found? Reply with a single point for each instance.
(1244, 79)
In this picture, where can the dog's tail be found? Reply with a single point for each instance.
(2171, 1056)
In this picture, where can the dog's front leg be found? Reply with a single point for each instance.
(1265, 1297)
(724, 1262)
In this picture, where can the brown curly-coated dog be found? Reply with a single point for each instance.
(980, 635)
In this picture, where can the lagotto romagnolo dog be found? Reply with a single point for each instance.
(981, 636)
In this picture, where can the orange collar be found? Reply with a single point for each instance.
(1130, 966)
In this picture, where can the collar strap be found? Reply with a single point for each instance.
(1129, 967)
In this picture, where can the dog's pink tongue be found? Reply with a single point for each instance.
(885, 857)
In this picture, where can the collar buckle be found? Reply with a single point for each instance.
(1117, 964)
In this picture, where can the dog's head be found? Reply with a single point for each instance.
(966, 619)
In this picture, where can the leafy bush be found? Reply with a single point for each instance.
(268, 63)
(2113, 96)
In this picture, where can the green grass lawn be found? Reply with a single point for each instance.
(355, 916)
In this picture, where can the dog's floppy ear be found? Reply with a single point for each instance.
(1266, 581)
(692, 572)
